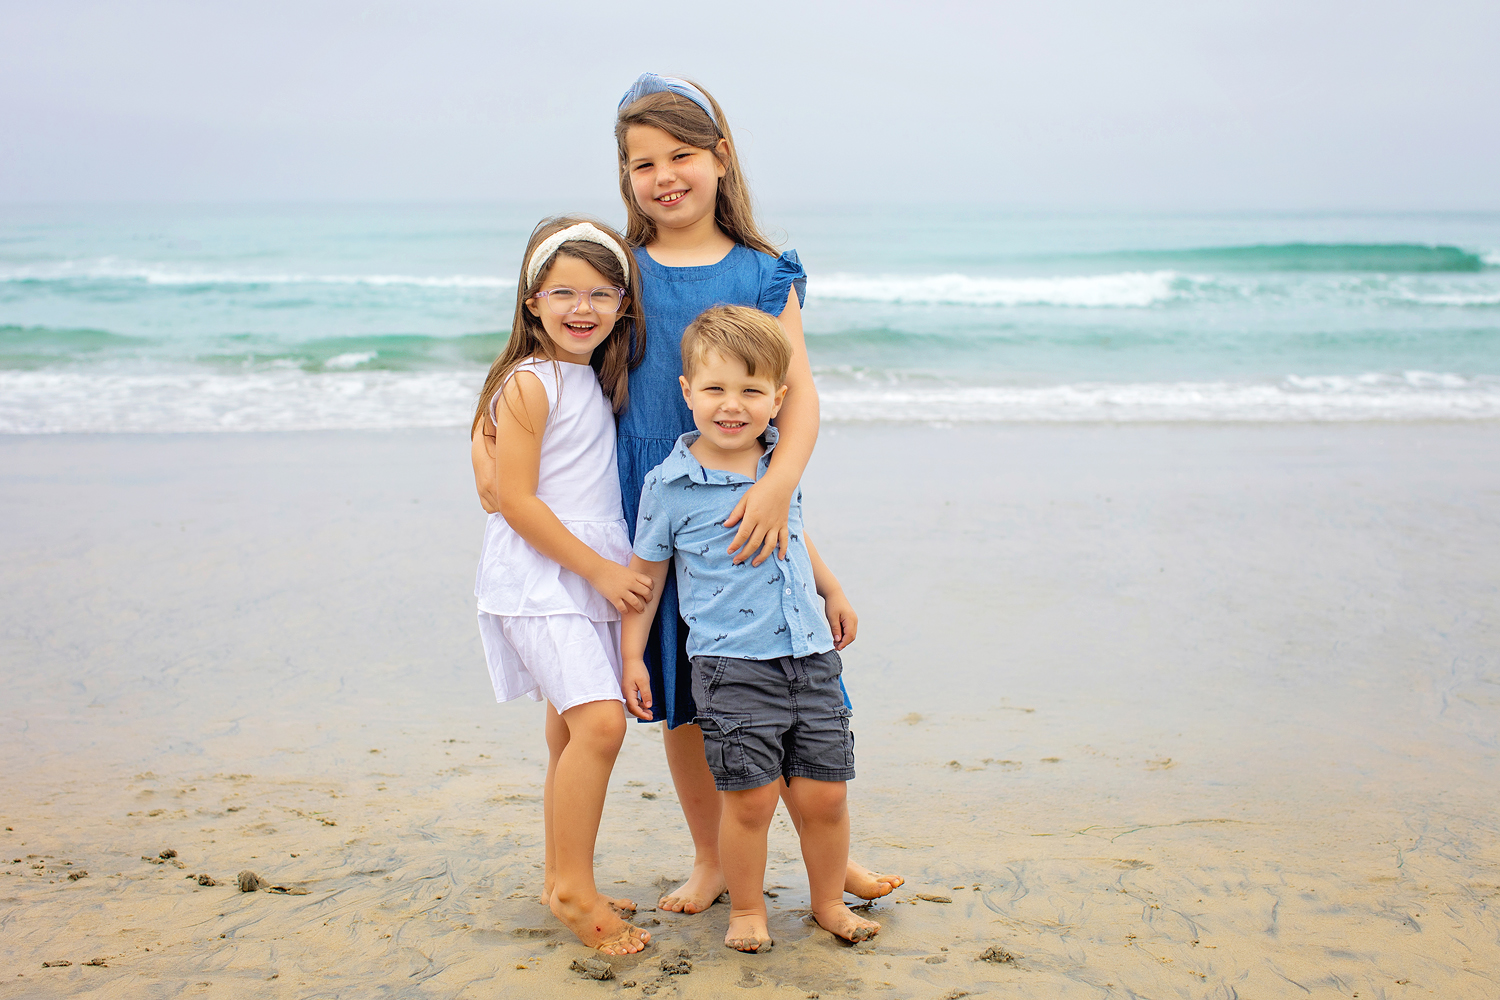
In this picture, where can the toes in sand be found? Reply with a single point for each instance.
(702, 889)
(749, 933)
(597, 925)
(860, 881)
(843, 922)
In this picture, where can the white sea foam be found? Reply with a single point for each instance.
(1133, 289)
(110, 270)
(39, 402)
(351, 360)
(1414, 396)
(52, 401)
(1450, 298)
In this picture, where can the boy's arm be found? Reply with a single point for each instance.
(635, 629)
(842, 620)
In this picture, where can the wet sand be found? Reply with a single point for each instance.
(1198, 711)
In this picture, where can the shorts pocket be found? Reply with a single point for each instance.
(844, 715)
(723, 744)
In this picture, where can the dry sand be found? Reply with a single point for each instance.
(1157, 711)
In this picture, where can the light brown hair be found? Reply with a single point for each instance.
(742, 332)
(681, 118)
(612, 360)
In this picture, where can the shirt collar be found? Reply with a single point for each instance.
(681, 462)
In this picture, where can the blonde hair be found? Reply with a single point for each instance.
(612, 360)
(741, 332)
(682, 119)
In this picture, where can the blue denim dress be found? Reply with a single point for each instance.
(648, 429)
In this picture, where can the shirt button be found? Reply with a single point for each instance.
(789, 591)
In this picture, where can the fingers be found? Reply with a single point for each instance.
(751, 547)
(770, 545)
(735, 515)
(638, 699)
(851, 628)
(785, 534)
(634, 600)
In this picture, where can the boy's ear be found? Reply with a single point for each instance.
(780, 397)
(687, 390)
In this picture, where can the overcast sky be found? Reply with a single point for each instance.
(1073, 104)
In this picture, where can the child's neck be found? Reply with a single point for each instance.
(693, 245)
(741, 461)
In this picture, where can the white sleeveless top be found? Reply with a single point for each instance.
(578, 479)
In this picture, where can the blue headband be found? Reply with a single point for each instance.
(650, 83)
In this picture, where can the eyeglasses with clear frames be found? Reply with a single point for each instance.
(604, 299)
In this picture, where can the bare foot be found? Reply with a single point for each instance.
(599, 927)
(843, 922)
(620, 905)
(748, 932)
(702, 889)
(860, 881)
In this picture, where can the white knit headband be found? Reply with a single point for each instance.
(586, 232)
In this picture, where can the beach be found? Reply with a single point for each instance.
(1192, 709)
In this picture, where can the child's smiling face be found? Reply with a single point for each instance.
(674, 183)
(576, 334)
(731, 407)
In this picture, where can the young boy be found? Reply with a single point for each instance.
(764, 659)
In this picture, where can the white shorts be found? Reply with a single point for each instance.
(567, 659)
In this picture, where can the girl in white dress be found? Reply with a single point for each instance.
(552, 583)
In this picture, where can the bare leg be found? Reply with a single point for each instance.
(858, 880)
(579, 782)
(742, 838)
(825, 851)
(701, 808)
(557, 739)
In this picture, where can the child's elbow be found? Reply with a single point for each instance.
(508, 506)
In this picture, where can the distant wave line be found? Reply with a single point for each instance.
(71, 402)
(1135, 289)
(172, 277)
(1387, 258)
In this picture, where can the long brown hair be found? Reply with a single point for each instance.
(686, 122)
(612, 360)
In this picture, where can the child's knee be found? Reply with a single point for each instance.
(820, 801)
(599, 725)
(752, 806)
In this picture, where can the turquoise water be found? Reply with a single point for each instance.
(198, 318)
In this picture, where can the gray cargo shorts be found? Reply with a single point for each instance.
(769, 719)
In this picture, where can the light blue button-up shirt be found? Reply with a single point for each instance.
(751, 612)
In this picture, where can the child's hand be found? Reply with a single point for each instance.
(625, 589)
(635, 685)
(842, 620)
(762, 515)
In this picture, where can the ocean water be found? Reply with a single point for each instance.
(291, 318)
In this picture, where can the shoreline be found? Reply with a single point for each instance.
(1214, 709)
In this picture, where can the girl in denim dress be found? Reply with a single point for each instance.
(695, 240)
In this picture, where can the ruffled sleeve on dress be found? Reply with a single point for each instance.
(786, 274)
